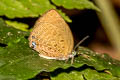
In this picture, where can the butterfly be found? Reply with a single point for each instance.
(52, 37)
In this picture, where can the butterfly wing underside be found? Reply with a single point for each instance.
(52, 37)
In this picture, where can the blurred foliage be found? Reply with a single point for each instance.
(17, 25)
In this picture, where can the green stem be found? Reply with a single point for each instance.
(110, 22)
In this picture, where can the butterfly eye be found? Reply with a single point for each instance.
(33, 44)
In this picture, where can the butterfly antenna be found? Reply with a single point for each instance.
(81, 41)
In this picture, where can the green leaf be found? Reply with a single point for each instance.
(76, 4)
(14, 8)
(99, 61)
(19, 62)
(90, 74)
(73, 75)
(17, 25)
(9, 34)
(26, 8)
(86, 74)
(34, 8)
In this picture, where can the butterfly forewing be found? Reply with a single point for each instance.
(51, 36)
